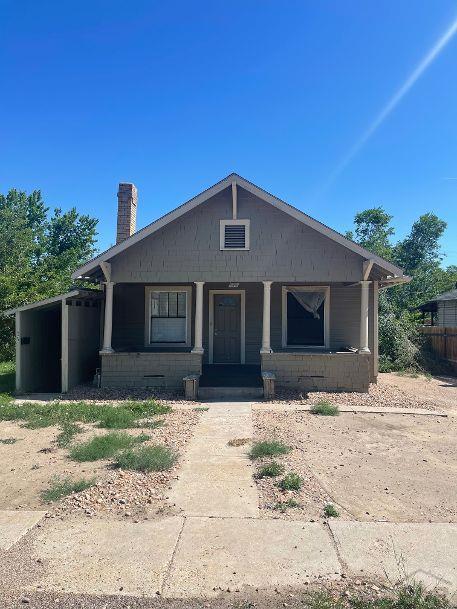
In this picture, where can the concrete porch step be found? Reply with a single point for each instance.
(229, 393)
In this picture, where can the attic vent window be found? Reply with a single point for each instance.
(234, 234)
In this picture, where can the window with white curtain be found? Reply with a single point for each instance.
(168, 316)
(305, 316)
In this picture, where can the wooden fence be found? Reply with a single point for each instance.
(442, 341)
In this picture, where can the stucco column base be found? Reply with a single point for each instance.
(364, 350)
(105, 351)
(198, 350)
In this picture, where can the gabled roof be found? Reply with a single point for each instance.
(90, 266)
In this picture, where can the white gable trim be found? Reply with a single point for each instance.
(255, 190)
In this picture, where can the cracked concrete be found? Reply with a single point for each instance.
(215, 478)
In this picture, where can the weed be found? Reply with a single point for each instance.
(200, 408)
(325, 408)
(291, 482)
(270, 470)
(55, 413)
(60, 487)
(9, 441)
(238, 441)
(147, 459)
(283, 506)
(118, 418)
(403, 596)
(67, 434)
(104, 447)
(330, 511)
(268, 449)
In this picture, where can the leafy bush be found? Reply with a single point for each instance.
(270, 470)
(147, 459)
(104, 447)
(291, 482)
(325, 408)
(268, 448)
(60, 487)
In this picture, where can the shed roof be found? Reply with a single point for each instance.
(40, 304)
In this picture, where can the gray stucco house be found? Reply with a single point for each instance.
(230, 288)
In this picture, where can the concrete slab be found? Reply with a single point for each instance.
(107, 557)
(215, 554)
(216, 479)
(426, 552)
(354, 409)
(14, 524)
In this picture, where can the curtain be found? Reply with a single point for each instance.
(310, 301)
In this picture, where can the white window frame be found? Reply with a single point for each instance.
(306, 288)
(245, 223)
(147, 311)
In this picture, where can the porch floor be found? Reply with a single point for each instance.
(230, 375)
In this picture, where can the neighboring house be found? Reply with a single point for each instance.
(233, 284)
(442, 309)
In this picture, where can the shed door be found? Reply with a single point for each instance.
(227, 329)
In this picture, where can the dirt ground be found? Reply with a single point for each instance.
(373, 466)
(28, 465)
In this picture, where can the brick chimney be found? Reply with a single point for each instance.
(127, 198)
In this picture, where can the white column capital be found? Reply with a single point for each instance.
(267, 284)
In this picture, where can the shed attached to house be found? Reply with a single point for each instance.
(57, 342)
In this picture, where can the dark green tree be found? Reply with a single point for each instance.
(419, 255)
(38, 252)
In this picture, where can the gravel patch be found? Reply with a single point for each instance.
(89, 393)
(130, 494)
(380, 395)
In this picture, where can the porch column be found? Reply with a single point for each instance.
(363, 346)
(108, 327)
(266, 317)
(198, 339)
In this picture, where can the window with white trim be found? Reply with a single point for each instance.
(305, 315)
(168, 316)
(234, 234)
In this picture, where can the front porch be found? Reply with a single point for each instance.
(228, 335)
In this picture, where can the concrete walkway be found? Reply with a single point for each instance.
(198, 557)
(216, 479)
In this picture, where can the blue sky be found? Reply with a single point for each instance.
(173, 96)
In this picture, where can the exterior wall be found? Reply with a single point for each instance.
(83, 343)
(447, 313)
(159, 370)
(319, 371)
(281, 249)
(129, 320)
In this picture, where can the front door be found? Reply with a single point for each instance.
(227, 329)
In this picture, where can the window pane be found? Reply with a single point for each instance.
(163, 304)
(302, 327)
(172, 304)
(182, 300)
(155, 304)
(168, 330)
